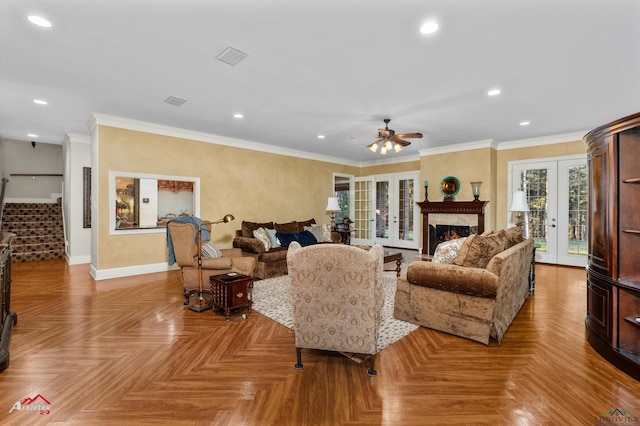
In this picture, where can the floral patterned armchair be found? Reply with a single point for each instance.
(337, 297)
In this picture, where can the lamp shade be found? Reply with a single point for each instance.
(519, 202)
(332, 204)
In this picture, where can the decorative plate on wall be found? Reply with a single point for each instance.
(450, 186)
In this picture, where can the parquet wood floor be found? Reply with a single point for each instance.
(125, 351)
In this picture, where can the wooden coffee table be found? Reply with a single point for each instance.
(231, 291)
(390, 256)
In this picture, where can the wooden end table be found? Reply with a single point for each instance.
(394, 256)
(231, 291)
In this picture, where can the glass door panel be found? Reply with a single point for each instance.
(362, 212)
(382, 212)
(572, 223)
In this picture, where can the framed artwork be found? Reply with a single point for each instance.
(86, 197)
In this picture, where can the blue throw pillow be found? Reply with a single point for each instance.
(285, 238)
(305, 238)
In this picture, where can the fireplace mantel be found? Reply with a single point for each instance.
(449, 207)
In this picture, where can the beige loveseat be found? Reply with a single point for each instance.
(271, 257)
(477, 295)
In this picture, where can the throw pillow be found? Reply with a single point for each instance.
(261, 234)
(210, 251)
(447, 251)
(316, 230)
(249, 227)
(326, 233)
(285, 238)
(513, 236)
(482, 249)
(305, 238)
(271, 233)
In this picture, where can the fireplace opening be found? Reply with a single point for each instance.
(441, 233)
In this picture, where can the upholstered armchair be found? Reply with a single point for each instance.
(337, 298)
(185, 249)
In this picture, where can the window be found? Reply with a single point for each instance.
(145, 203)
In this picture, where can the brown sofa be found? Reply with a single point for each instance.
(271, 262)
(477, 295)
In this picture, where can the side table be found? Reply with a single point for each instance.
(231, 291)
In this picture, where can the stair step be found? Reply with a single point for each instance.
(31, 217)
(38, 247)
(38, 239)
(39, 255)
(41, 227)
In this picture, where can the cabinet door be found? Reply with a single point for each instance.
(600, 296)
(600, 219)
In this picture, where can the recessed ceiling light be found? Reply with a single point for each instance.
(238, 115)
(429, 27)
(320, 136)
(39, 21)
(493, 92)
(39, 102)
(525, 123)
(32, 135)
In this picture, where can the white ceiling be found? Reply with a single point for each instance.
(327, 67)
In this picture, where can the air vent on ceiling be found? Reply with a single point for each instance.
(231, 56)
(174, 100)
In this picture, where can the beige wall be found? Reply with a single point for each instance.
(409, 166)
(251, 185)
(468, 166)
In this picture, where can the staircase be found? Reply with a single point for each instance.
(38, 228)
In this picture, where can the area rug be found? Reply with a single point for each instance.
(271, 298)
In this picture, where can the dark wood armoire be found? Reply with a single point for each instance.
(613, 271)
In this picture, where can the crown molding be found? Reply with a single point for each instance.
(97, 119)
(544, 140)
(466, 146)
(77, 138)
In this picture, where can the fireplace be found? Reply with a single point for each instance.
(452, 213)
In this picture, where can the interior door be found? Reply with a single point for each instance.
(557, 198)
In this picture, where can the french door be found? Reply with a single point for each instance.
(557, 197)
(385, 210)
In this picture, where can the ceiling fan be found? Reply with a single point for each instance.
(388, 139)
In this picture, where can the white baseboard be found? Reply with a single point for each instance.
(128, 271)
(78, 260)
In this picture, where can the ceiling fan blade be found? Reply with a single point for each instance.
(399, 141)
(409, 135)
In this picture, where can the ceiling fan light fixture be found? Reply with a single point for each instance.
(388, 145)
(374, 147)
(397, 148)
(383, 150)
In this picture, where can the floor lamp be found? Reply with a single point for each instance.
(201, 304)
